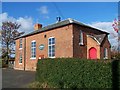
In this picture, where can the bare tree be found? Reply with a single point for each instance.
(116, 27)
(9, 33)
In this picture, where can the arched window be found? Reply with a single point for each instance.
(105, 53)
(81, 38)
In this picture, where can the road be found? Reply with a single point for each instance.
(16, 78)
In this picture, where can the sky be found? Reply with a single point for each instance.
(97, 14)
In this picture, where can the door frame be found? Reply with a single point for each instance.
(95, 51)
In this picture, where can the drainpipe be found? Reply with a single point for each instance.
(24, 53)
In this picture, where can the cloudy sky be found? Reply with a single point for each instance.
(99, 14)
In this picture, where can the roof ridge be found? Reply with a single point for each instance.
(59, 24)
(56, 22)
(70, 20)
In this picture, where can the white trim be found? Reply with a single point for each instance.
(33, 41)
(33, 58)
(106, 53)
(97, 41)
(20, 63)
(81, 44)
(35, 51)
(20, 48)
(81, 37)
(70, 20)
(50, 45)
(51, 57)
(94, 38)
(105, 58)
(51, 37)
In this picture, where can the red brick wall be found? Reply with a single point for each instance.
(92, 43)
(63, 45)
(66, 45)
(105, 44)
(79, 51)
(17, 55)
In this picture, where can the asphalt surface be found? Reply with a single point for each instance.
(17, 78)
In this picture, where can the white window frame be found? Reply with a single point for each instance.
(80, 37)
(51, 48)
(105, 53)
(33, 50)
(20, 58)
(20, 43)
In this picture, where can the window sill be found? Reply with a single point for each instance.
(20, 48)
(33, 58)
(105, 58)
(81, 44)
(20, 63)
(51, 57)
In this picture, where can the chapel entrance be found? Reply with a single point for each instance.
(92, 53)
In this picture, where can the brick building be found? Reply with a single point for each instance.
(68, 38)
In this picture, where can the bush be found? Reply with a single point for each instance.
(118, 56)
(74, 73)
(4, 64)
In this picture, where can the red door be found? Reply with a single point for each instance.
(92, 53)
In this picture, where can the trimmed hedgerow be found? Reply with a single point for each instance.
(74, 73)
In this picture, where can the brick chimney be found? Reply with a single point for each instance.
(37, 26)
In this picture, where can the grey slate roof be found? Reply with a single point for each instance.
(100, 38)
(59, 24)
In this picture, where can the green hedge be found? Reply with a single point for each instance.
(74, 73)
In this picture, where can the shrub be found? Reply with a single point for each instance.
(74, 73)
(118, 56)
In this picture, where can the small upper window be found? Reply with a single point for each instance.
(20, 59)
(81, 38)
(20, 46)
(105, 53)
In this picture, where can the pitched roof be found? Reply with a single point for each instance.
(59, 24)
(100, 37)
